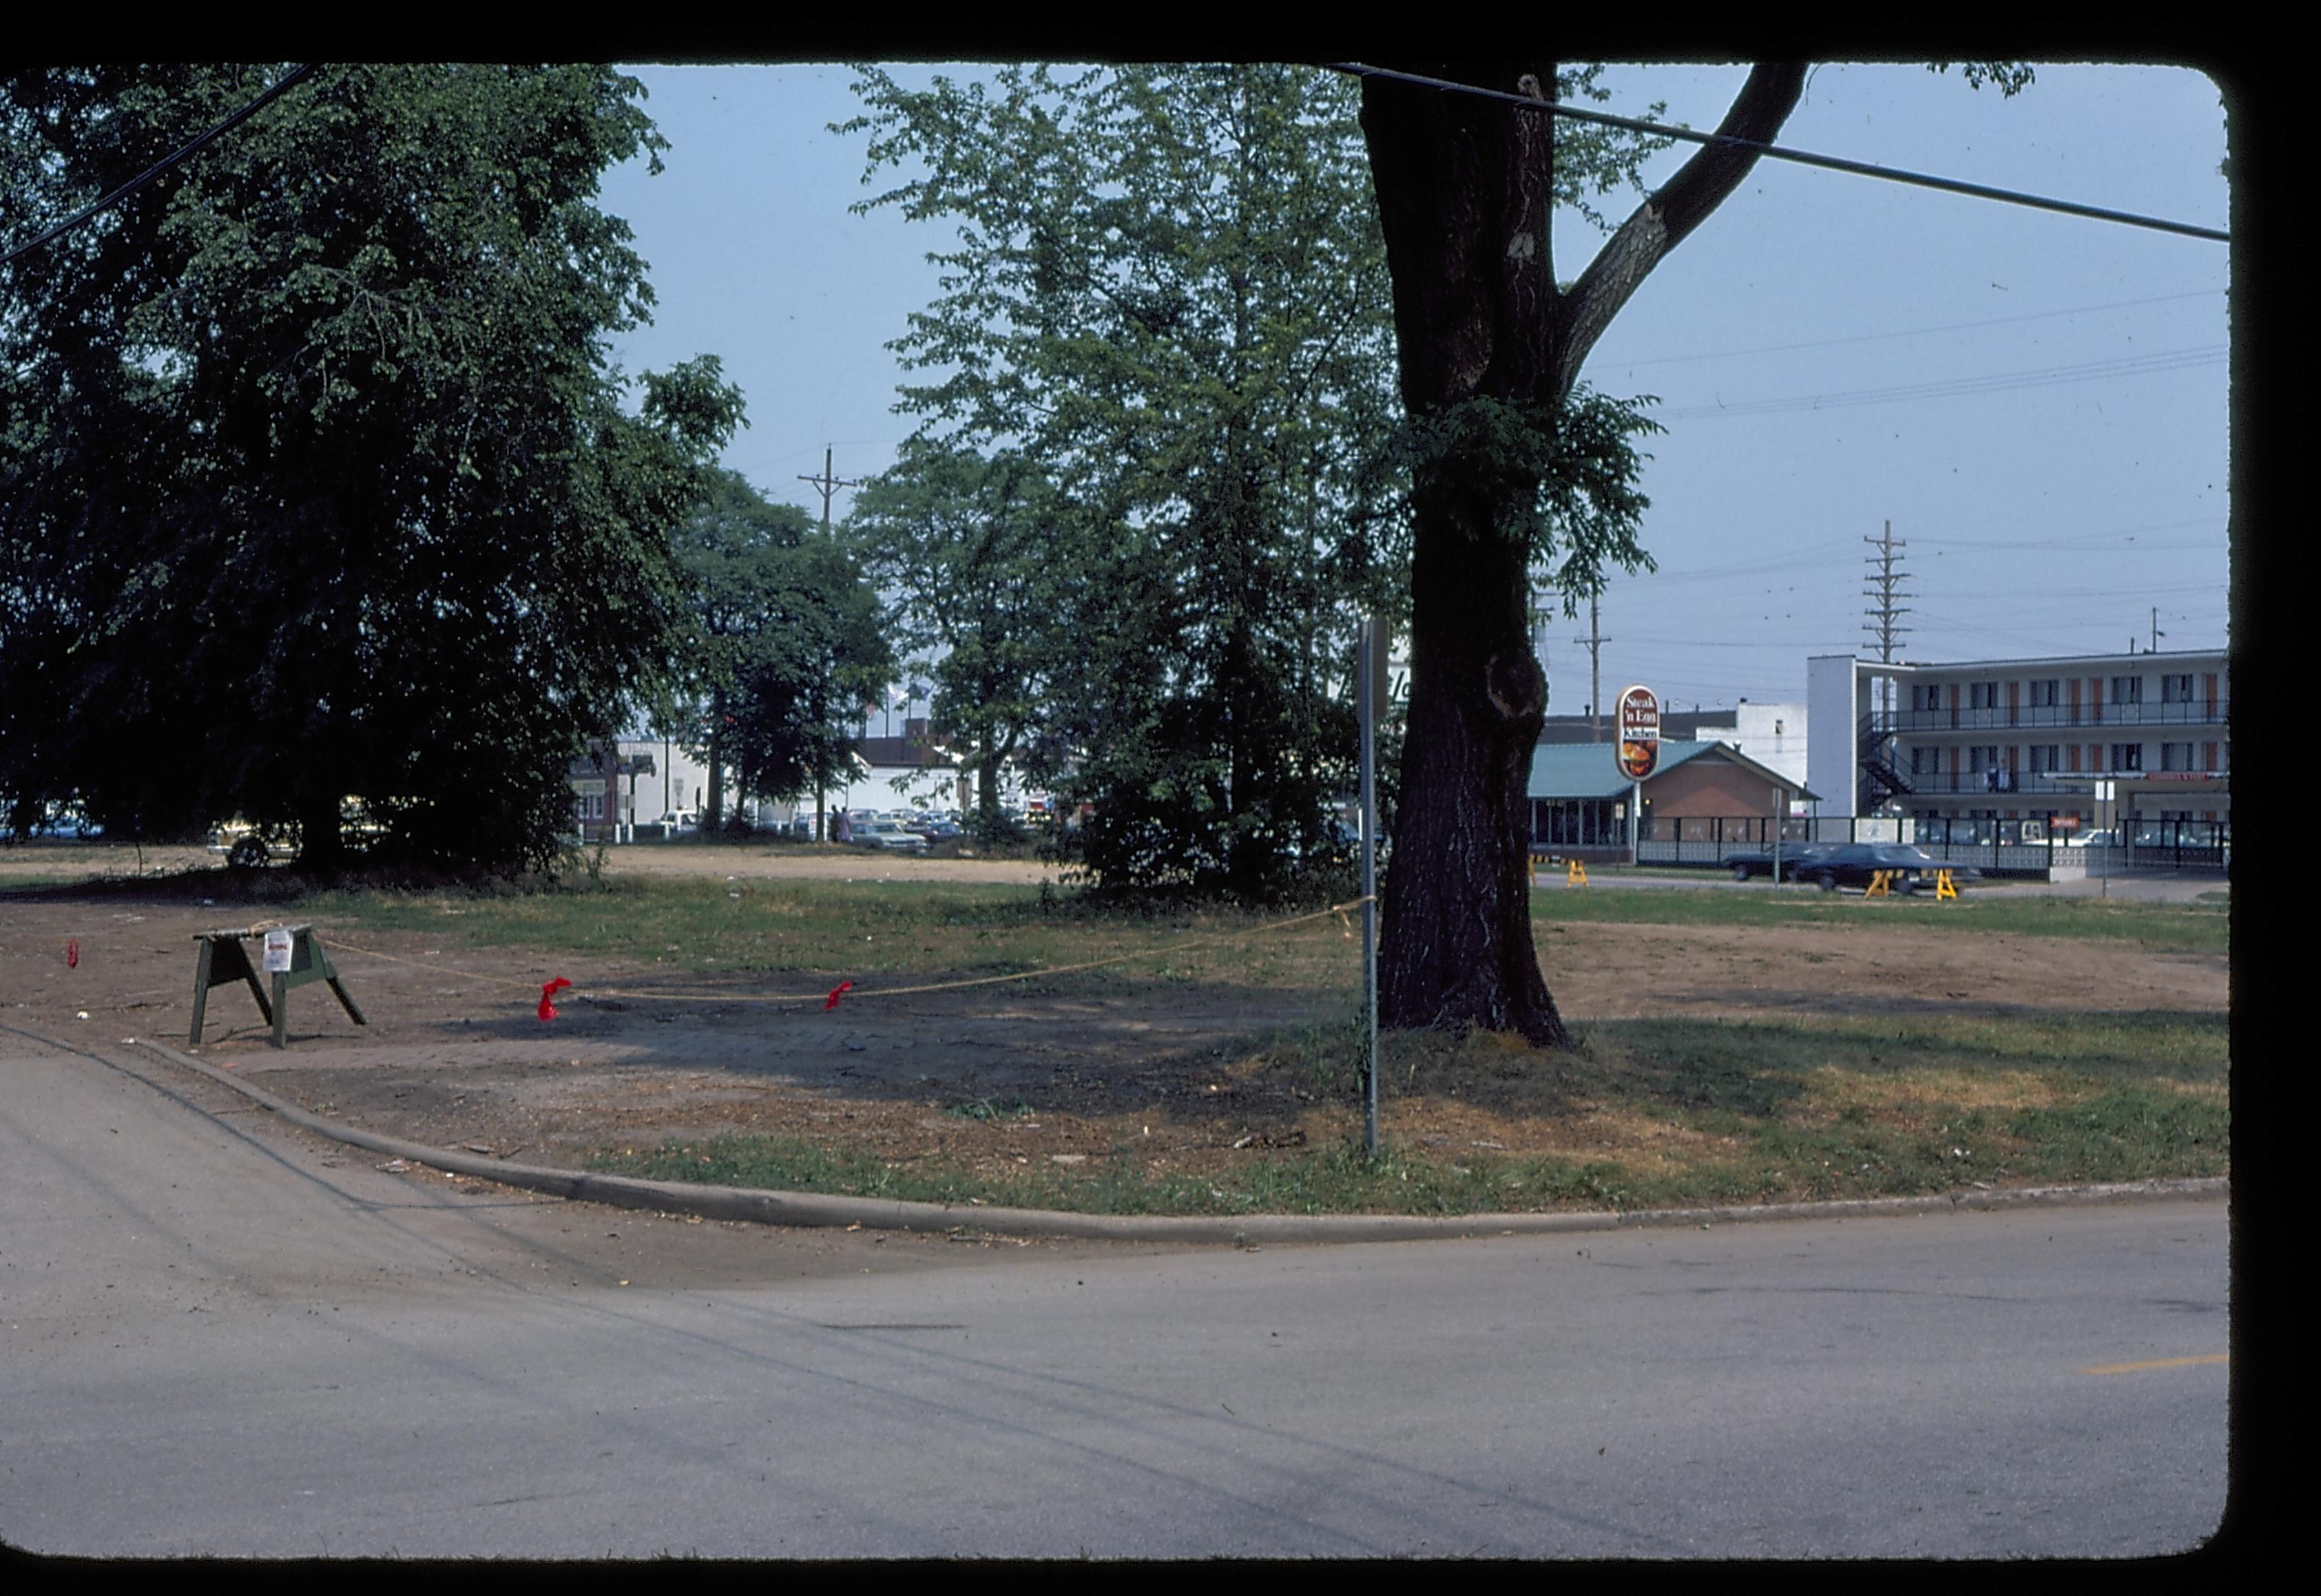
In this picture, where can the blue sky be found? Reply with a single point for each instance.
(2036, 402)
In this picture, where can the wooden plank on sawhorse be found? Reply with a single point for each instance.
(222, 959)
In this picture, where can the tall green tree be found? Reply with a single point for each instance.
(966, 547)
(1515, 466)
(788, 644)
(315, 477)
(1168, 300)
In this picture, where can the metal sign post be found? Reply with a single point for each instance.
(2108, 816)
(1369, 666)
(1780, 814)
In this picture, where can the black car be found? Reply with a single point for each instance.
(1797, 861)
(1853, 864)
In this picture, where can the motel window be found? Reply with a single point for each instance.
(1925, 697)
(1982, 695)
(2176, 689)
(2127, 755)
(2128, 690)
(2045, 757)
(2043, 694)
(2176, 755)
(1979, 757)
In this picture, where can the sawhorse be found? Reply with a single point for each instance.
(221, 959)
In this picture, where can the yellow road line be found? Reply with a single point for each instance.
(2158, 1363)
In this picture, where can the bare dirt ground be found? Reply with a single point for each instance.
(454, 1054)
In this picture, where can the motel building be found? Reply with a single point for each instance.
(2020, 752)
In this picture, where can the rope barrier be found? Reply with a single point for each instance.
(586, 990)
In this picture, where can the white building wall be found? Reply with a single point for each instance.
(680, 781)
(1832, 701)
(1774, 735)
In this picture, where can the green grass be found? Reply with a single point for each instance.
(867, 927)
(2201, 927)
(1334, 1179)
(922, 929)
(1743, 1112)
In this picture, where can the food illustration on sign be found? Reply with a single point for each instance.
(1640, 732)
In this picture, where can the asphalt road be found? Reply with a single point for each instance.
(223, 1336)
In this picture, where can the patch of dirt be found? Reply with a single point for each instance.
(454, 1055)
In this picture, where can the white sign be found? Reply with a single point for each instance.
(277, 950)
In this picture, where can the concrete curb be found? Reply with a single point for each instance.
(803, 1208)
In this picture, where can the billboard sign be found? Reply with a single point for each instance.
(1640, 733)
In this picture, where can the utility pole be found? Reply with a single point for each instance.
(2156, 633)
(827, 484)
(1595, 642)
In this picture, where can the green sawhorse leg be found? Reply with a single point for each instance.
(220, 959)
(308, 962)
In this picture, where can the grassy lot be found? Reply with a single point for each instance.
(923, 929)
(1644, 1114)
(2201, 927)
(971, 928)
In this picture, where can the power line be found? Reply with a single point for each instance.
(1824, 343)
(1861, 168)
(1960, 387)
(295, 76)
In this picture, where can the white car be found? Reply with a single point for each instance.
(887, 835)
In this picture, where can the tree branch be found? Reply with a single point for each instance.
(1667, 216)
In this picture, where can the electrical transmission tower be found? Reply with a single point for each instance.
(1885, 587)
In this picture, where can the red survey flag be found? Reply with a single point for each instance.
(837, 992)
(548, 991)
(72, 953)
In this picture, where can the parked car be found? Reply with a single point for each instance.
(889, 836)
(1853, 864)
(1795, 861)
(244, 849)
(677, 821)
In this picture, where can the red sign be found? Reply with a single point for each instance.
(1640, 733)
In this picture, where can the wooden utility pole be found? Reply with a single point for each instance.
(1595, 642)
(827, 484)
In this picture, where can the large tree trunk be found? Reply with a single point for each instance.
(1465, 197)
(322, 838)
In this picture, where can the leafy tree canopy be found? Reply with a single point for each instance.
(315, 478)
(1165, 328)
(788, 640)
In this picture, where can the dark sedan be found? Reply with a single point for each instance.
(1796, 862)
(1853, 864)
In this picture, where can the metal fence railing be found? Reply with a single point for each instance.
(2005, 847)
